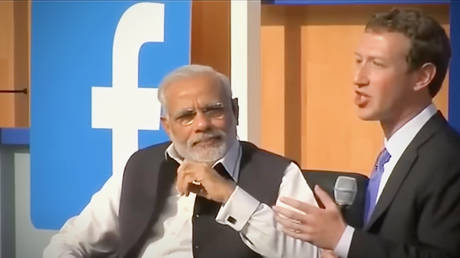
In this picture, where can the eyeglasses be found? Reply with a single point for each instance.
(213, 111)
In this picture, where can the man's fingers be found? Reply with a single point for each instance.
(288, 213)
(289, 223)
(179, 181)
(324, 197)
(203, 180)
(293, 228)
(298, 235)
(187, 178)
(302, 206)
(197, 189)
(193, 177)
(184, 182)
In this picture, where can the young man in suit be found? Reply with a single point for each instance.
(204, 195)
(412, 203)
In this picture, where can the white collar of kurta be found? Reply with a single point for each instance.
(399, 141)
(230, 160)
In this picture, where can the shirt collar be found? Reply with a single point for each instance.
(399, 141)
(230, 160)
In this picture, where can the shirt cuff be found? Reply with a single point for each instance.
(238, 209)
(343, 246)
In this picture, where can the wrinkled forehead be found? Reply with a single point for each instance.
(196, 84)
(194, 91)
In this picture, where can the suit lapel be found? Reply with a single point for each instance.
(400, 171)
(403, 167)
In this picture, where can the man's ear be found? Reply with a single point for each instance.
(236, 109)
(425, 75)
(165, 124)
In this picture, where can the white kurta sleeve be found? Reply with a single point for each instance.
(94, 230)
(256, 221)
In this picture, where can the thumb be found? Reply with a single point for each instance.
(324, 197)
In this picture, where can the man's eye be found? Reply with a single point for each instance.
(378, 64)
(185, 118)
(215, 112)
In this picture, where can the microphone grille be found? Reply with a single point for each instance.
(345, 190)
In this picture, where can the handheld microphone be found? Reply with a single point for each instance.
(345, 190)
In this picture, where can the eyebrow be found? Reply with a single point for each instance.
(190, 111)
(214, 105)
(372, 57)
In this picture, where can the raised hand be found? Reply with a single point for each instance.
(321, 227)
(203, 180)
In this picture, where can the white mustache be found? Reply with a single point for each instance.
(206, 136)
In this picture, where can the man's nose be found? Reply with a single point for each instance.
(361, 77)
(202, 121)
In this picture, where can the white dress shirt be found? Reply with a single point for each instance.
(396, 145)
(171, 235)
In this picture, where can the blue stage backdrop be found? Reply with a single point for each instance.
(95, 68)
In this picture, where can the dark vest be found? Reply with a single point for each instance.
(148, 178)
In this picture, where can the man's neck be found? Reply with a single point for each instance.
(393, 124)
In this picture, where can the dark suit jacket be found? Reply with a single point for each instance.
(418, 213)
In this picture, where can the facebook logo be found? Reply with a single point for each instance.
(95, 68)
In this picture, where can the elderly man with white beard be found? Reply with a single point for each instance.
(204, 194)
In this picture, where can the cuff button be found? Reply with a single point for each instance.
(231, 219)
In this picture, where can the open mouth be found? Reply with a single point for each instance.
(361, 99)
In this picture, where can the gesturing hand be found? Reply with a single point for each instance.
(321, 227)
(203, 180)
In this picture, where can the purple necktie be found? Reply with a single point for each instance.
(373, 184)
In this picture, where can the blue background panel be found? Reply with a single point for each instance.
(454, 77)
(71, 52)
(14, 136)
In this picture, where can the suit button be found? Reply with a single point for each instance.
(196, 247)
(197, 216)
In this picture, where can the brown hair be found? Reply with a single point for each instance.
(429, 42)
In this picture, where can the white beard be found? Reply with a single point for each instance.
(207, 154)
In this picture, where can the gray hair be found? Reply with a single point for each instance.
(190, 71)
